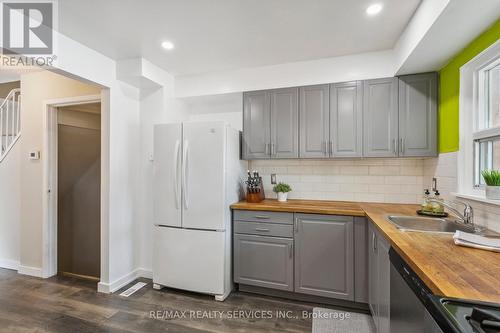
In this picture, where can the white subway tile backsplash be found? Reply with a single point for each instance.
(354, 170)
(373, 180)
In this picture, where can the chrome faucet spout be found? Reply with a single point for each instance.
(467, 216)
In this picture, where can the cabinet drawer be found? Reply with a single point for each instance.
(263, 228)
(263, 216)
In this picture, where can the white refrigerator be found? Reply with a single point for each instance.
(198, 174)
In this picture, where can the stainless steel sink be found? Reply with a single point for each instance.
(428, 224)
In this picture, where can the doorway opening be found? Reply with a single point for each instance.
(78, 190)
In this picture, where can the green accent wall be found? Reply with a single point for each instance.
(449, 88)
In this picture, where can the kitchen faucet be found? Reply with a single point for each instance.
(468, 215)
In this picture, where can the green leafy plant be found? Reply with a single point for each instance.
(491, 177)
(282, 187)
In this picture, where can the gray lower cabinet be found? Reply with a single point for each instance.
(346, 123)
(314, 121)
(360, 259)
(324, 255)
(380, 117)
(256, 125)
(263, 261)
(418, 115)
(284, 123)
(379, 280)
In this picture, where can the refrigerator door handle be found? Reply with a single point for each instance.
(184, 174)
(176, 174)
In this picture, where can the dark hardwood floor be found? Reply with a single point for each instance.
(63, 304)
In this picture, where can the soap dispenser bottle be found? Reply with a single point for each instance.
(425, 201)
(438, 207)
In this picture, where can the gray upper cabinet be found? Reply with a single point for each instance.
(284, 123)
(380, 117)
(387, 117)
(256, 125)
(263, 261)
(314, 121)
(418, 115)
(346, 125)
(324, 255)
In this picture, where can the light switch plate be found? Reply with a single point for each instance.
(273, 178)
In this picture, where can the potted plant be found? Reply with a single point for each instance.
(492, 180)
(282, 189)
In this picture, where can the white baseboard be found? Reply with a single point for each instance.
(9, 264)
(32, 271)
(108, 288)
(145, 273)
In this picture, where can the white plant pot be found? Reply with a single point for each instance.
(493, 192)
(282, 196)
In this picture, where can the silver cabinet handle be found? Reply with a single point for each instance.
(290, 250)
(331, 147)
(401, 145)
(325, 147)
(296, 225)
(374, 240)
(266, 149)
(262, 217)
(261, 229)
(273, 149)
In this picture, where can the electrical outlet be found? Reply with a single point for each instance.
(273, 178)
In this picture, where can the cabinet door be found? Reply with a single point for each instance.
(324, 256)
(256, 125)
(380, 117)
(285, 123)
(418, 115)
(384, 286)
(361, 260)
(373, 281)
(263, 261)
(314, 121)
(346, 125)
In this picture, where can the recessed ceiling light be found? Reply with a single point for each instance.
(374, 9)
(167, 45)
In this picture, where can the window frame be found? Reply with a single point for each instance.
(472, 89)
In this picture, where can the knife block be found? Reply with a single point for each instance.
(257, 196)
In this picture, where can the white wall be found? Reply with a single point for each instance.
(35, 88)
(10, 209)
(224, 107)
(346, 68)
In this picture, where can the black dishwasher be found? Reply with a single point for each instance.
(410, 299)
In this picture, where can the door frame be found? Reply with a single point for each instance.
(50, 173)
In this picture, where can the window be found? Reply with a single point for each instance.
(487, 135)
(479, 121)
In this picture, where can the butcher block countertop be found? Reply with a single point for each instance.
(304, 206)
(447, 269)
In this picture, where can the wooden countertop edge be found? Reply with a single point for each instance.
(291, 206)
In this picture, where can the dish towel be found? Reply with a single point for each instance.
(476, 241)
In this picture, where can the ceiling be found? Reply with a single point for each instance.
(215, 35)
